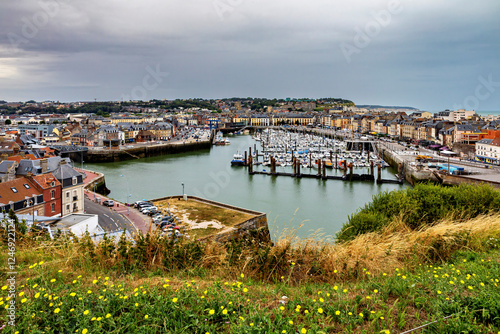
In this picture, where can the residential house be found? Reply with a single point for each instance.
(22, 197)
(51, 190)
(72, 188)
(8, 148)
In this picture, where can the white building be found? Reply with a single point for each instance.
(488, 150)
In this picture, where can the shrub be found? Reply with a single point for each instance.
(420, 206)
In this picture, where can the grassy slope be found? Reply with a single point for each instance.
(440, 268)
(390, 281)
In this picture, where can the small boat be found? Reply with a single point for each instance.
(328, 163)
(238, 160)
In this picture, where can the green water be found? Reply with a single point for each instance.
(289, 203)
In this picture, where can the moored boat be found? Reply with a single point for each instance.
(238, 160)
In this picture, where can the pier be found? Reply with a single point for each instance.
(348, 176)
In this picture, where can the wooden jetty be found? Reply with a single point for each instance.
(321, 174)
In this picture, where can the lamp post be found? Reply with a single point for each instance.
(128, 194)
(183, 194)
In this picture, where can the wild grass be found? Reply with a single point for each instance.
(423, 205)
(443, 275)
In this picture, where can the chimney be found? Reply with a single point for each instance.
(44, 165)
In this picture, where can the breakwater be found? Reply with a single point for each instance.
(140, 151)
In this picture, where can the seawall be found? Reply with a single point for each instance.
(142, 151)
(412, 174)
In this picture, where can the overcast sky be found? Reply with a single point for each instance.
(433, 55)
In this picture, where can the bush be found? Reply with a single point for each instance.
(420, 206)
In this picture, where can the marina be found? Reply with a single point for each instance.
(302, 204)
(307, 152)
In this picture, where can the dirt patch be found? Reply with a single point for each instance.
(202, 219)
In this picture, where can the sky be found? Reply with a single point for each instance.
(432, 55)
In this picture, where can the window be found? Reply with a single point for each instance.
(14, 190)
(27, 186)
(67, 207)
(53, 207)
(67, 194)
(75, 180)
(52, 194)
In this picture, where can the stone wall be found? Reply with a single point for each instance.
(115, 155)
(412, 174)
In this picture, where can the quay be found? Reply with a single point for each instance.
(138, 151)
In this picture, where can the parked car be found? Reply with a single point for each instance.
(144, 205)
(139, 203)
(108, 203)
(148, 209)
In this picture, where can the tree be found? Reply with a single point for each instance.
(8, 122)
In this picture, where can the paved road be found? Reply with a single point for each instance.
(109, 220)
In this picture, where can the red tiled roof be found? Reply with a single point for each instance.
(17, 190)
(45, 180)
(18, 158)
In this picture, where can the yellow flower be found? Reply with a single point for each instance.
(23, 300)
(59, 271)
(251, 324)
(40, 263)
(242, 275)
(108, 315)
(375, 291)
(245, 290)
(211, 312)
(282, 308)
(361, 315)
(89, 292)
(303, 331)
(439, 292)
(224, 311)
(21, 293)
(86, 312)
(320, 310)
(72, 310)
(146, 316)
(94, 281)
(337, 312)
(290, 322)
(175, 300)
(84, 331)
(72, 294)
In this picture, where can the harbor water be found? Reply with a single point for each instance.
(303, 205)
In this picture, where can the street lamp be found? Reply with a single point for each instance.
(128, 194)
(183, 194)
